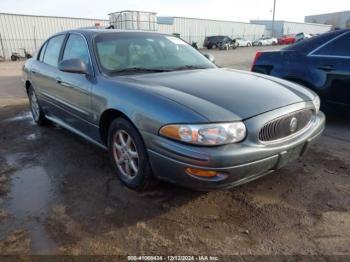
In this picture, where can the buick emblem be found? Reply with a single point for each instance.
(293, 125)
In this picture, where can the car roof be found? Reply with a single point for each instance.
(91, 32)
(214, 36)
(310, 44)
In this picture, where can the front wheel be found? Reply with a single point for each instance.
(128, 155)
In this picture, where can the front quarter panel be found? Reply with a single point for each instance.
(148, 111)
(26, 70)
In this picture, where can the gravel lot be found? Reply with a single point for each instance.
(58, 195)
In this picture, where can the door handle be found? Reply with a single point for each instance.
(62, 83)
(58, 80)
(326, 68)
(33, 72)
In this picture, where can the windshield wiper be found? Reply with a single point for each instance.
(138, 69)
(187, 67)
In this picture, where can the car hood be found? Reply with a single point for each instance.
(224, 94)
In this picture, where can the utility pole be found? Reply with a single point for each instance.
(273, 18)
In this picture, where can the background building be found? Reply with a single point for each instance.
(195, 30)
(288, 28)
(337, 20)
(29, 31)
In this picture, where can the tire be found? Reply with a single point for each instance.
(209, 47)
(128, 155)
(35, 108)
(14, 58)
(249, 45)
(214, 46)
(259, 44)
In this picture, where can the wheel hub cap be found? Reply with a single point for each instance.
(125, 154)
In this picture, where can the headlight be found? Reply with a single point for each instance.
(317, 103)
(209, 135)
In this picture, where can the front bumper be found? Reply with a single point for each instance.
(236, 163)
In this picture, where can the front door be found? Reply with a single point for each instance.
(74, 89)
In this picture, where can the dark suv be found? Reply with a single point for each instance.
(214, 41)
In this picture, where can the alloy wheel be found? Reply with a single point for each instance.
(125, 154)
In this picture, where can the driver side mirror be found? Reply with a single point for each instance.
(210, 57)
(76, 66)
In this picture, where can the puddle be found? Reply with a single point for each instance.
(24, 116)
(32, 137)
(30, 191)
(41, 243)
(28, 203)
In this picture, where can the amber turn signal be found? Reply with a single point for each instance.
(202, 173)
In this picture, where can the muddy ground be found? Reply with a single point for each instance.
(58, 195)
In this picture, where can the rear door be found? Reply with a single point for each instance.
(44, 73)
(329, 65)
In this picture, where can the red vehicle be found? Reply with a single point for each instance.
(286, 40)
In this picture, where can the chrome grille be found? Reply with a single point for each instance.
(285, 126)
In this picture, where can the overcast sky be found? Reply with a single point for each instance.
(235, 10)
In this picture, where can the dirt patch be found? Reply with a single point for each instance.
(3, 215)
(62, 227)
(16, 243)
(5, 172)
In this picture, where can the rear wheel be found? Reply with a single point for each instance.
(37, 112)
(128, 155)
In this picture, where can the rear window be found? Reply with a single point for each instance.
(215, 38)
(42, 52)
(53, 49)
(338, 47)
(307, 45)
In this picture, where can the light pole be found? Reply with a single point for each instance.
(273, 18)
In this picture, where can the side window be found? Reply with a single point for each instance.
(42, 52)
(76, 47)
(339, 47)
(53, 49)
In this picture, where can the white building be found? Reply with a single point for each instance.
(29, 31)
(19, 31)
(195, 29)
(337, 20)
(288, 28)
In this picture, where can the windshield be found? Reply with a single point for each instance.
(129, 52)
